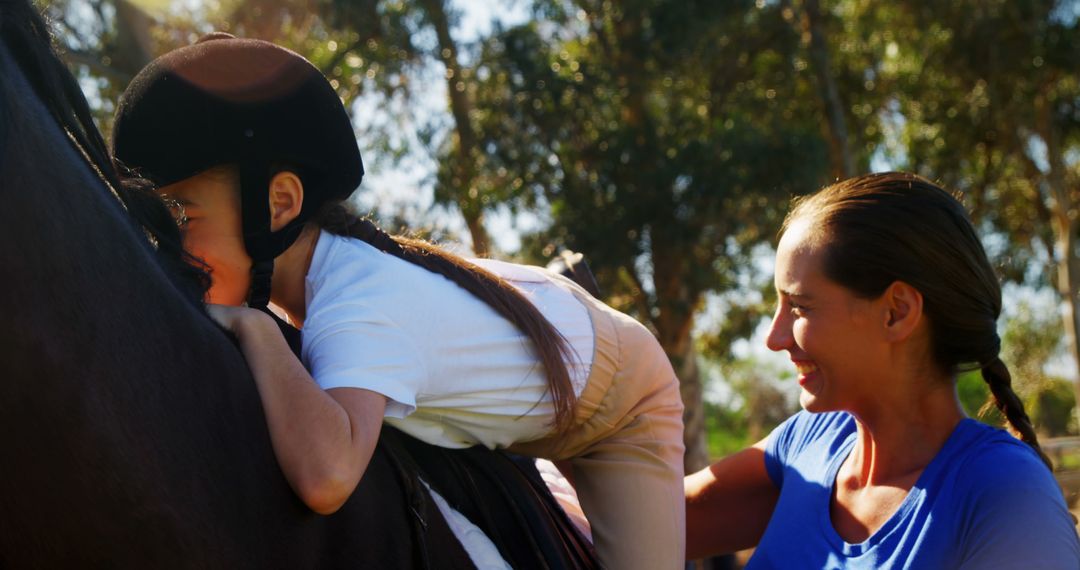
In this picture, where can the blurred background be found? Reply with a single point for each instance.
(665, 139)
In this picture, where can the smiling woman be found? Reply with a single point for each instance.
(884, 295)
(821, 324)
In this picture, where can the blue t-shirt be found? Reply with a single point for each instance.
(985, 501)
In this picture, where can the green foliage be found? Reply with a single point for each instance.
(975, 398)
(666, 138)
(1051, 408)
(1030, 339)
(760, 398)
(984, 86)
(726, 431)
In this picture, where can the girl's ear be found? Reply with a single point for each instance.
(286, 199)
(904, 305)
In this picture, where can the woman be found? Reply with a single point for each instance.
(252, 144)
(884, 295)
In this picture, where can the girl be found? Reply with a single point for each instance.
(885, 293)
(253, 146)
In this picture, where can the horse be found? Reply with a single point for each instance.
(130, 427)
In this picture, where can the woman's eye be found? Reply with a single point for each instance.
(797, 309)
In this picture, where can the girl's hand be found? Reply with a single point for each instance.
(325, 459)
(234, 319)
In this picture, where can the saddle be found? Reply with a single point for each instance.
(504, 495)
(501, 493)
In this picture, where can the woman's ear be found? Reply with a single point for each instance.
(286, 199)
(904, 310)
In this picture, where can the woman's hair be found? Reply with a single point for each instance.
(27, 36)
(551, 347)
(881, 228)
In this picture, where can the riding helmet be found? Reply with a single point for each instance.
(248, 103)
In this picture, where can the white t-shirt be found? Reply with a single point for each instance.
(455, 373)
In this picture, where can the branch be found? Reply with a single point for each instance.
(69, 31)
(93, 61)
(340, 55)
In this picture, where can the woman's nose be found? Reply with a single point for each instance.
(779, 337)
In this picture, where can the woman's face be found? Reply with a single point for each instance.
(832, 336)
(214, 232)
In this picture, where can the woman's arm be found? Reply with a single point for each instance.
(323, 440)
(728, 504)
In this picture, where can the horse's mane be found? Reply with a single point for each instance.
(27, 36)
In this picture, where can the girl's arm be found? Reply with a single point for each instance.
(323, 440)
(728, 504)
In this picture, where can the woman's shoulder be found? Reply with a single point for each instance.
(995, 452)
(1012, 508)
(806, 441)
(805, 428)
(991, 464)
(992, 471)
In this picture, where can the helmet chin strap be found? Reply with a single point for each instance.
(255, 217)
(262, 245)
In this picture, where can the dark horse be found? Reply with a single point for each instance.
(130, 429)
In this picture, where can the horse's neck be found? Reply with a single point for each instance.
(120, 404)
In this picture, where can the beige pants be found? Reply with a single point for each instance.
(626, 447)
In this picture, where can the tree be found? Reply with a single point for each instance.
(666, 139)
(107, 42)
(990, 100)
(836, 127)
(457, 178)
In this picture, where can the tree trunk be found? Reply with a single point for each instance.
(464, 166)
(474, 220)
(1066, 228)
(133, 48)
(692, 391)
(675, 300)
(1068, 284)
(673, 332)
(129, 51)
(674, 323)
(836, 126)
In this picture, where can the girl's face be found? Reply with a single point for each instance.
(832, 336)
(214, 231)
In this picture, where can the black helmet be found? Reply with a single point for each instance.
(226, 100)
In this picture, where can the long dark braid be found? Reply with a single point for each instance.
(551, 348)
(1008, 403)
(25, 32)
